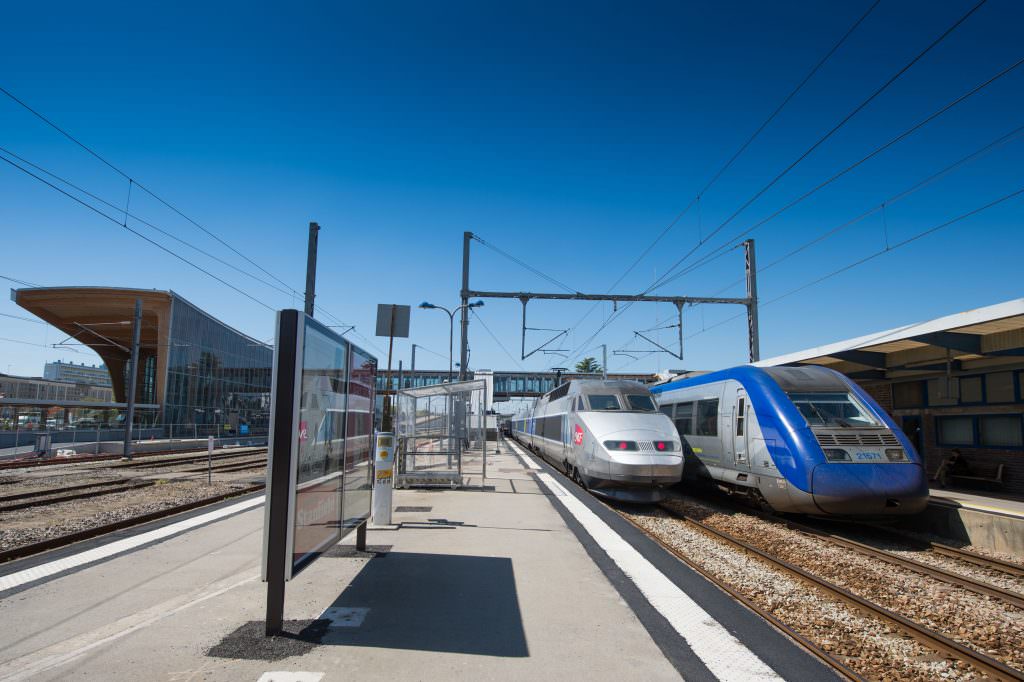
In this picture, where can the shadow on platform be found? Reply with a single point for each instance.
(423, 602)
(435, 602)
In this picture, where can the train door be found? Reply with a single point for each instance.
(740, 433)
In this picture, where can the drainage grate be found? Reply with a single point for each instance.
(413, 509)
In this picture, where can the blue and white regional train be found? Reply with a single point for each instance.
(796, 439)
(608, 436)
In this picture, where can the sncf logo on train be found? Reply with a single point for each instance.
(577, 435)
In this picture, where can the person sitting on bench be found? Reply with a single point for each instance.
(954, 465)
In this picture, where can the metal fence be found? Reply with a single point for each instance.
(435, 425)
(95, 439)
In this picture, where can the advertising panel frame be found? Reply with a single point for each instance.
(289, 373)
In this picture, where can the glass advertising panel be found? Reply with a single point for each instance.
(317, 520)
(359, 439)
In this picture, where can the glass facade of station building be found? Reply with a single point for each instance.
(215, 375)
(194, 370)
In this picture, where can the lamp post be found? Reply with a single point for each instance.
(451, 325)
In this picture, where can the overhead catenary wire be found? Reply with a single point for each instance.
(25, 319)
(821, 140)
(732, 242)
(695, 201)
(921, 184)
(128, 214)
(668, 277)
(525, 265)
(871, 256)
(123, 223)
(496, 340)
(135, 232)
(133, 181)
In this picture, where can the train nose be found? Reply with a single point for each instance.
(868, 489)
(645, 464)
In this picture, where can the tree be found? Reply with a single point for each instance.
(588, 365)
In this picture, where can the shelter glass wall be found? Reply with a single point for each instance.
(215, 375)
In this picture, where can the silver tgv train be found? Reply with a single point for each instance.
(608, 436)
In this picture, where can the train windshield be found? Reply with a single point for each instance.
(641, 403)
(603, 402)
(832, 409)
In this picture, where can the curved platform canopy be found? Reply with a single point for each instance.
(101, 318)
(967, 341)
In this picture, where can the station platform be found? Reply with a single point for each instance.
(517, 576)
(974, 517)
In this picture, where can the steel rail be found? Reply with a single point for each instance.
(65, 489)
(968, 556)
(983, 663)
(87, 459)
(188, 459)
(808, 645)
(89, 533)
(978, 559)
(79, 496)
(228, 467)
(956, 579)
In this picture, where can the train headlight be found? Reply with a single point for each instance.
(664, 445)
(620, 445)
(896, 455)
(837, 455)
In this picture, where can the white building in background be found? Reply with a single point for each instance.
(93, 375)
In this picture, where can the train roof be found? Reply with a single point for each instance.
(789, 379)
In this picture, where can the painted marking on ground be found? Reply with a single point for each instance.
(28, 666)
(345, 616)
(723, 654)
(285, 676)
(120, 546)
(525, 459)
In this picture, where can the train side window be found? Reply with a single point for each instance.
(667, 410)
(707, 417)
(684, 419)
(740, 414)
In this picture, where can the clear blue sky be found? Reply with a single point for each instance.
(567, 134)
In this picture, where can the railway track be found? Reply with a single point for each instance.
(980, 661)
(42, 498)
(188, 459)
(49, 496)
(71, 538)
(53, 496)
(943, 575)
(86, 459)
(963, 555)
(811, 647)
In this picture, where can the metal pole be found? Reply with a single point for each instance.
(755, 342)
(400, 376)
(604, 360)
(209, 460)
(386, 417)
(451, 334)
(679, 309)
(133, 374)
(464, 294)
(412, 368)
(314, 230)
(523, 351)
(484, 401)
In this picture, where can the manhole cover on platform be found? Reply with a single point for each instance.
(413, 509)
